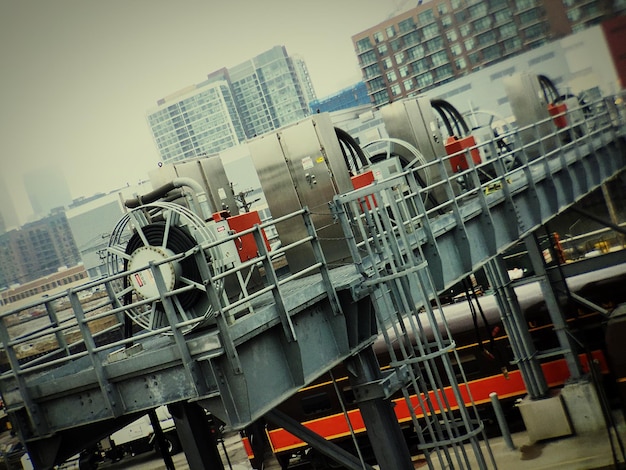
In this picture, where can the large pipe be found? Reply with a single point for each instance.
(196, 196)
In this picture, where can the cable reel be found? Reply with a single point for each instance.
(156, 233)
(410, 157)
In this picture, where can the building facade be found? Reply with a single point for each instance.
(37, 249)
(264, 93)
(349, 97)
(441, 40)
(201, 119)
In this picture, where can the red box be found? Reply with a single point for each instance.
(455, 145)
(557, 111)
(362, 180)
(246, 246)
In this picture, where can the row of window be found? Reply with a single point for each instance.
(45, 287)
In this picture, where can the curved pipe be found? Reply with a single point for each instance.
(196, 196)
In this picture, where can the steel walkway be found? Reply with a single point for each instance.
(69, 377)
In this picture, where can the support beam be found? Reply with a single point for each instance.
(329, 449)
(516, 328)
(554, 308)
(194, 432)
(382, 425)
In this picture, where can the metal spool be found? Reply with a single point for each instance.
(410, 157)
(166, 234)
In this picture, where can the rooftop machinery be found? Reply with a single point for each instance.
(179, 266)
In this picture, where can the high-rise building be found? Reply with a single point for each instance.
(47, 189)
(440, 40)
(259, 95)
(37, 249)
(8, 216)
(200, 119)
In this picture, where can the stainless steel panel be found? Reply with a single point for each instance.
(209, 172)
(413, 120)
(529, 106)
(302, 165)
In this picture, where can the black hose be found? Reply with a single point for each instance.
(438, 106)
(459, 119)
(450, 114)
(355, 150)
(550, 92)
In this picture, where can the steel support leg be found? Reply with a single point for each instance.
(160, 439)
(194, 432)
(516, 328)
(554, 309)
(383, 429)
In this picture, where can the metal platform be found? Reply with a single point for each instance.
(69, 376)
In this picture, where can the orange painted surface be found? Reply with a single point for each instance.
(335, 426)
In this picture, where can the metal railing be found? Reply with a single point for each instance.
(86, 323)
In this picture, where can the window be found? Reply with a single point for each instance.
(367, 57)
(404, 71)
(408, 84)
(443, 72)
(420, 66)
(425, 80)
(396, 45)
(412, 38)
(426, 17)
(534, 31)
(507, 30)
(491, 53)
(430, 31)
(442, 8)
(460, 63)
(391, 76)
(452, 35)
(469, 44)
(399, 58)
(439, 58)
(387, 63)
(446, 21)
(376, 84)
(477, 11)
(378, 37)
(390, 31)
(482, 24)
(382, 49)
(395, 89)
(416, 52)
(363, 45)
(371, 71)
(486, 38)
(406, 25)
(380, 97)
(456, 49)
(465, 30)
(434, 44)
(530, 16)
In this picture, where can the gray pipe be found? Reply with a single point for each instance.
(504, 426)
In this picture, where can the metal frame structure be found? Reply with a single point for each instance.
(87, 380)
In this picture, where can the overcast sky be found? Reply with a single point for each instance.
(79, 75)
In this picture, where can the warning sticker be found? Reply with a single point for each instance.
(320, 159)
(307, 163)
